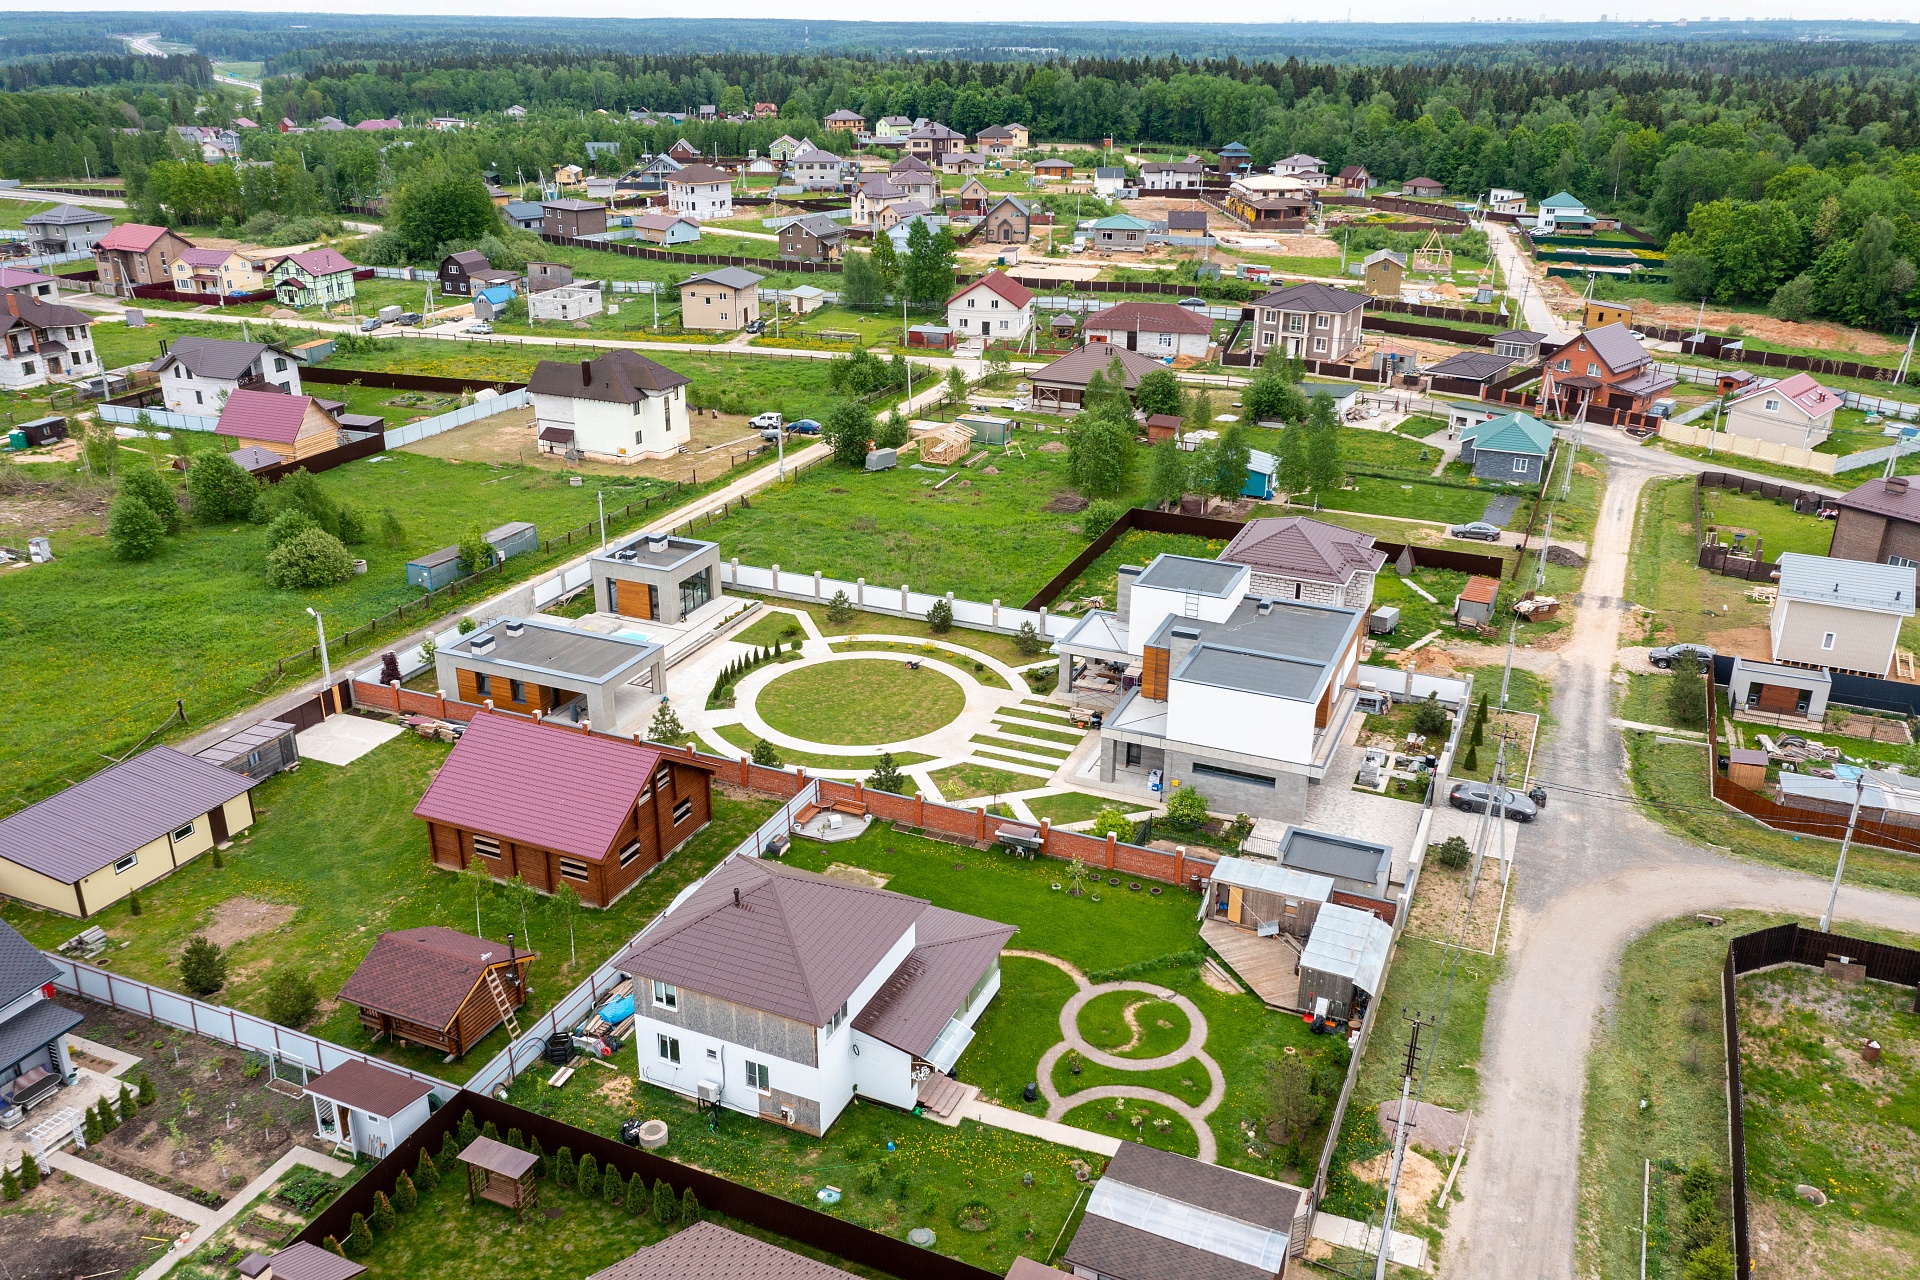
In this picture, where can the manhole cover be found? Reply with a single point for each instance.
(920, 1236)
(551, 1212)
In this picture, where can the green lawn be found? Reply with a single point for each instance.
(1021, 1024)
(961, 783)
(744, 738)
(1163, 1025)
(1157, 1125)
(981, 671)
(774, 627)
(1644, 700)
(1019, 725)
(862, 702)
(335, 906)
(1778, 525)
(1015, 744)
(1187, 1081)
(861, 622)
(1073, 806)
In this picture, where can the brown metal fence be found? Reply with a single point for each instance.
(1736, 1117)
(335, 377)
(627, 248)
(716, 1194)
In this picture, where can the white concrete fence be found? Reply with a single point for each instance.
(901, 601)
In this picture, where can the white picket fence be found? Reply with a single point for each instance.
(900, 600)
(415, 431)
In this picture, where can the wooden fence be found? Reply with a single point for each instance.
(1712, 554)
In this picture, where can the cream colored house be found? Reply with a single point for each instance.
(728, 298)
(120, 830)
(1796, 412)
(622, 407)
(1842, 615)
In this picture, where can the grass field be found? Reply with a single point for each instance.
(1072, 806)
(1162, 1026)
(859, 703)
(744, 738)
(1148, 1123)
(324, 907)
(1778, 525)
(976, 782)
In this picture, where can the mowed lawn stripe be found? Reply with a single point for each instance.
(864, 702)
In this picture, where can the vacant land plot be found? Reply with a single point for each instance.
(341, 895)
(1662, 576)
(66, 1227)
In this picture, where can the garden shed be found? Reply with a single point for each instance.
(489, 302)
(986, 428)
(502, 1174)
(300, 1261)
(1262, 470)
(367, 1109)
(513, 538)
(946, 445)
(435, 569)
(1266, 897)
(258, 751)
(930, 335)
(1475, 602)
(1344, 960)
(437, 987)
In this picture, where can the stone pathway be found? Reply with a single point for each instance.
(1058, 1104)
(212, 1221)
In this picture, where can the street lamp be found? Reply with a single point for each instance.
(326, 669)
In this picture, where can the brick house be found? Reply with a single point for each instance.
(1294, 558)
(134, 253)
(1606, 368)
(1879, 523)
(625, 807)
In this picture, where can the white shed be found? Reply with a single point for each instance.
(1347, 953)
(367, 1109)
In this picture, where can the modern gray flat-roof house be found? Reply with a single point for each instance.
(34, 1062)
(539, 665)
(1239, 695)
(1357, 866)
(657, 577)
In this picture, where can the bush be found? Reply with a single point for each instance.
(1453, 853)
(203, 967)
(689, 1207)
(147, 1095)
(1430, 718)
(563, 1166)
(940, 617)
(90, 1127)
(468, 1129)
(637, 1195)
(542, 1167)
(405, 1196)
(288, 524)
(147, 487)
(586, 1175)
(886, 776)
(9, 1183)
(383, 249)
(1100, 516)
(135, 532)
(29, 1174)
(1687, 694)
(613, 1187)
(1710, 1262)
(310, 558)
(1186, 808)
(426, 1174)
(490, 1130)
(764, 753)
(291, 997)
(1111, 822)
(840, 608)
(666, 1206)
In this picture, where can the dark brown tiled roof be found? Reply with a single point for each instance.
(1077, 366)
(377, 1091)
(791, 943)
(99, 820)
(305, 1261)
(1472, 365)
(708, 1251)
(263, 415)
(951, 952)
(1127, 1253)
(1303, 548)
(1897, 498)
(621, 376)
(1312, 296)
(423, 975)
(1151, 317)
(1225, 1191)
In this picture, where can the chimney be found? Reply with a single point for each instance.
(736, 897)
(481, 644)
(1180, 642)
(515, 626)
(1265, 606)
(586, 373)
(1123, 591)
(1895, 484)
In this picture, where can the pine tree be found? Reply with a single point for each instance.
(450, 1148)
(383, 1219)
(666, 1209)
(490, 1130)
(542, 1166)
(91, 1127)
(127, 1104)
(563, 1166)
(333, 1246)
(468, 1130)
(359, 1236)
(9, 1184)
(1472, 760)
(405, 1197)
(147, 1095)
(613, 1187)
(587, 1175)
(637, 1195)
(133, 904)
(516, 1139)
(689, 1207)
(29, 1174)
(426, 1174)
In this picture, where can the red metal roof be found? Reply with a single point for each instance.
(1150, 317)
(263, 415)
(1001, 283)
(137, 236)
(1805, 391)
(539, 784)
(1480, 590)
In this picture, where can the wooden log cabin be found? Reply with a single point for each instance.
(555, 805)
(437, 987)
(292, 427)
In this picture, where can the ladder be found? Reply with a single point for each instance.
(499, 991)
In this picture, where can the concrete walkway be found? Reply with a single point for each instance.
(241, 1200)
(1065, 1135)
(131, 1188)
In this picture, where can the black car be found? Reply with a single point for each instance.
(1664, 656)
(1477, 797)
(409, 317)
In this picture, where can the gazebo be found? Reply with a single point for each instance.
(502, 1174)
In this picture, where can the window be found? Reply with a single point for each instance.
(1319, 344)
(1296, 323)
(1323, 322)
(1133, 755)
(483, 684)
(970, 302)
(757, 1076)
(839, 1016)
(1826, 641)
(571, 870)
(1593, 370)
(516, 690)
(682, 810)
(198, 398)
(629, 853)
(183, 832)
(1563, 366)
(662, 776)
(1520, 466)
(1773, 406)
(126, 864)
(487, 846)
(669, 1048)
(665, 995)
(1003, 324)
(1235, 775)
(1902, 560)
(279, 365)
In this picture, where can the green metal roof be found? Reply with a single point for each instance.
(1564, 200)
(1511, 433)
(1122, 222)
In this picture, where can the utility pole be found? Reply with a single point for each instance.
(1399, 1144)
(326, 668)
(600, 496)
(1506, 677)
(1840, 868)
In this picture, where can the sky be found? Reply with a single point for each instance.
(1108, 10)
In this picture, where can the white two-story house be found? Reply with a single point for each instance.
(41, 340)
(700, 192)
(996, 306)
(622, 407)
(784, 995)
(198, 374)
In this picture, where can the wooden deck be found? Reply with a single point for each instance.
(1268, 965)
(941, 1095)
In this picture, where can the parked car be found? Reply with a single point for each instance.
(408, 317)
(1479, 529)
(1664, 656)
(771, 435)
(804, 427)
(370, 324)
(478, 326)
(1192, 302)
(756, 326)
(766, 422)
(1477, 797)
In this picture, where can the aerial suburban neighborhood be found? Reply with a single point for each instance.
(851, 645)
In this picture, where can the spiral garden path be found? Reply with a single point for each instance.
(1059, 1104)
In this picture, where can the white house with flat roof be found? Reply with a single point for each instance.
(558, 670)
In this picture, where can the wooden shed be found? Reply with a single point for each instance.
(1747, 768)
(1163, 426)
(439, 988)
(502, 1174)
(1253, 893)
(258, 751)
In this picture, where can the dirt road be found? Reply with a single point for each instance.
(1595, 874)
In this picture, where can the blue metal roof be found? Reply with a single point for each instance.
(499, 295)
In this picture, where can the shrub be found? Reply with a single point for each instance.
(764, 753)
(1027, 640)
(91, 1127)
(203, 967)
(1453, 853)
(490, 1130)
(333, 1246)
(405, 1196)
(383, 1219)
(1687, 694)
(666, 1208)
(359, 1236)
(311, 558)
(666, 727)
(940, 617)
(147, 487)
(147, 1096)
(1472, 760)
(1710, 1262)
(516, 1139)
(449, 1149)
(291, 997)
(690, 1203)
(563, 1166)
(29, 1173)
(886, 775)
(135, 532)
(1100, 516)
(1429, 717)
(1111, 822)
(220, 488)
(1186, 808)
(637, 1195)
(127, 1104)
(351, 526)
(286, 525)
(426, 1174)
(840, 608)
(586, 1175)
(133, 904)
(613, 1187)
(469, 1130)
(476, 553)
(542, 1166)
(9, 1183)
(383, 249)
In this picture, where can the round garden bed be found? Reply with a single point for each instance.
(862, 702)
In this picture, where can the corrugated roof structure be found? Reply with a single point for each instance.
(1858, 584)
(22, 967)
(1350, 944)
(1511, 433)
(305, 1261)
(1299, 547)
(950, 952)
(263, 415)
(1156, 1215)
(212, 357)
(727, 278)
(96, 822)
(1077, 366)
(621, 376)
(1271, 877)
(1151, 317)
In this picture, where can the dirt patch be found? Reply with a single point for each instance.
(618, 1091)
(1794, 1240)
(1748, 642)
(1065, 502)
(1816, 334)
(1586, 469)
(66, 1228)
(1053, 446)
(1431, 1128)
(238, 918)
(1420, 1181)
(856, 875)
(37, 509)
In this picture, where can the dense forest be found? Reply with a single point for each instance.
(1786, 173)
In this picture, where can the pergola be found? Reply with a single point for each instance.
(502, 1174)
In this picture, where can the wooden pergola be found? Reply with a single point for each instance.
(502, 1174)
